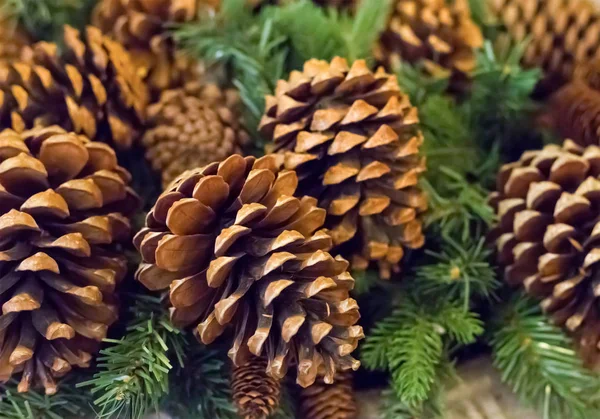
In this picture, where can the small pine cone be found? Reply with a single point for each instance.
(560, 34)
(235, 247)
(255, 394)
(191, 127)
(329, 401)
(91, 88)
(353, 138)
(437, 33)
(547, 237)
(63, 212)
(142, 27)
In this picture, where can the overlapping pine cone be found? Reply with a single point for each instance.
(438, 33)
(12, 41)
(90, 88)
(547, 237)
(353, 138)
(255, 394)
(192, 126)
(142, 27)
(560, 34)
(235, 247)
(329, 401)
(64, 203)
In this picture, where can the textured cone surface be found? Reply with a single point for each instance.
(353, 138)
(12, 42)
(547, 237)
(560, 34)
(191, 127)
(235, 247)
(438, 33)
(255, 394)
(91, 88)
(63, 207)
(329, 401)
(142, 27)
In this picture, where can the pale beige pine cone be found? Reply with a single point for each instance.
(255, 394)
(191, 127)
(64, 208)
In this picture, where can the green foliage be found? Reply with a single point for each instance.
(133, 372)
(537, 360)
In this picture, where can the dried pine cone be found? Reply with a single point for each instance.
(63, 207)
(91, 88)
(191, 127)
(560, 34)
(235, 247)
(142, 27)
(438, 33)
(547, 236)
(329, 401)
(12, 41)
(353, 138)
(255, 394)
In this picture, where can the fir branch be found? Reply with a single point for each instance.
(133, 371)
(369, 22)
(537, 360)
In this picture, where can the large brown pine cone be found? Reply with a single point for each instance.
(255, 394)
(353, 138)
(192, 126)
(547, 237)
(235, 247)
(142, 27)
(91, 88)
(437, 33)
(329, 401)
(560, 34)
(63, 205)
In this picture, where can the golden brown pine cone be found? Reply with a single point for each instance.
(353, 138)
(329, 401)
(437, 33)
(142, 27)
(560, 34)
(255, 394)
(12, 41)
(91, 88)
(547, 237)
(235, 247)
(64, 206)
(192, 126)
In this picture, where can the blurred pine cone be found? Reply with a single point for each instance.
(64, 209)
(234, 247)
(12, 41)
(437, 33)
(547, 237)
(191, 127)
(353, 138)
(142, 27)
(255, 394)
(91, 88)
(329, 401)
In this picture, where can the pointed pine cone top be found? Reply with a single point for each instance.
(91, 88)
(352, 137)
(548, 233)
(63, 207)
(234, 246)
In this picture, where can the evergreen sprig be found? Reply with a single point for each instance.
(537, 360)
(133, 372)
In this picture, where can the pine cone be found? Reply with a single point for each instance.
(63, 207)
(353, 138)
(548, 232)
(438, 33)
(142, 27)
(235, 247)
(191, 127)
(560, 34)
(329, 401)
(91, 89)
(255, 394)
(12, 42)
